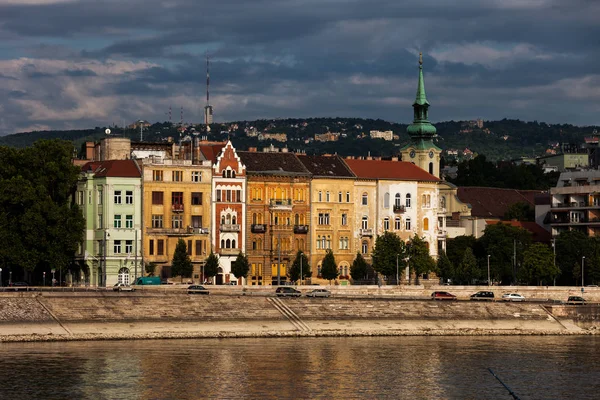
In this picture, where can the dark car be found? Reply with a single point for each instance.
(575, 300)
(287, 292)
(442, 296)
(197, 289)
(18, 286)
(483, 296)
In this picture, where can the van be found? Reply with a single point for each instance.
(483, 296)
(148, 280)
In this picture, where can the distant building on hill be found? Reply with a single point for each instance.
(385, 135)
(280, 137)
(327, 137)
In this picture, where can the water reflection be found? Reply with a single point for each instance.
(307, 368)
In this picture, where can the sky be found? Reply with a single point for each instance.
(75, 64)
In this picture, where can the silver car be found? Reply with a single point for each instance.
(318, 293)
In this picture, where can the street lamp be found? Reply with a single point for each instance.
(488, 258)
(582, 262)
(0, 277)
(9, 278)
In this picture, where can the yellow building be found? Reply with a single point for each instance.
(176, 206)
(277, 212)
(332, 204)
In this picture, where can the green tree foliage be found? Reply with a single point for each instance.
(182, 265)
(420, 260)
(538, 265)
(40, 228)
(520, 211)
(445, 268)
(329, 269)
(358, 270)
(211, 267)
(571, 246)
(455, 248)
(499, 242)
(388, 248)
(294, 271)
(240, 266)
(150, 269)
(467, 270)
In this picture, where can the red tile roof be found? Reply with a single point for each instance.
(539, 234)
(113, 168)
(384, 169)
(211, 151)
(494, 202)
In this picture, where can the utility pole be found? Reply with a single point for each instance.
(488, 259)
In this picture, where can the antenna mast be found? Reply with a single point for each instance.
(208, 110)
(207, 80)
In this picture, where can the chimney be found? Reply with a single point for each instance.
(394, 158)
(369, 157)
(252, 149)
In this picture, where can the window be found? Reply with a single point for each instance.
(398, 200)
(129, 246)
(319, 242)
(365, 247)
(218, 195)
(340, 197)
(343, 245)
(157, 197)
(117, 247)
(443, 202)
(196, 176)
(365, 222)
(157, 176)
(196, 198)
(129, 197)
(129, 221)
(100, 221)
(189, 248)
(177, 221)
(386, 224)
(347, 197)
(197, 221)
(386, 200)
(327, 196)
(117, 197)
(323, 218)
(365, 199)
(397, 224)
(228, 192)
(323, 242)
(151, 247)
(408, 200)
(198, 247)
(344, 219)
(160, 248)
(407, 227)
(425, 224)
(320, 196)
(117, 221)
(177, 176)
(177, 198)
(431, 168)
(239, 196)
(157, 221)
(100, 197)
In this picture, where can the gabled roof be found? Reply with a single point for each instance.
(211, 151)
(494, 202)
(326, 166)
(383, 169)
(113, 168)
(273, 163)
(539, 234)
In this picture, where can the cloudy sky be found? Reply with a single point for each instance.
(67, 64)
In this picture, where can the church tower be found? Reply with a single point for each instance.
(421, 151)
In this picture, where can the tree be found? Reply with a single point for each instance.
(300, 263)
(211, 267)
(182, 265)
(240, 266)
(500, 242)
(150, 269)
(420, 260)
(388, 254)
(538, 265)
(329, 269)
(520, 211)
(444, 267)
(467, 270)
(455, 248)
(571, 247)
(358, 270)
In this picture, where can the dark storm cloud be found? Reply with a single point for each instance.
(86, 62)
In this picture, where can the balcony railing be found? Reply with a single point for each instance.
(229, 252)
(280, 204)
(258, 228)
(196, 230)
(301, 229)
(170, 231)
(399, 209)
(230, 228)
(366, 232)
(177, 207)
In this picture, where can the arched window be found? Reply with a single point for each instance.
(365, 222)
(431, 168)
(327, 196)
(233, 244)
(443, 202)
(222, 243)
(397, 223)
(233, 220)
(233, 174)
(228, 244)
(222, 219)
(228, 219)
(365, 199)
(254, 219)
(259, 244)
(386, 200)
(123, 276)
(323, 242)
(407, 200)
(224, 174)
(365, 247)
(319, 242)
(386, 224)
(320, 196)
(425, 224)
(296, 219)
(398, 200)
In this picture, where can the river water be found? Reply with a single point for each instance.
(552, 367)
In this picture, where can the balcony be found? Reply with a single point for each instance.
(229, 252)
(230, 228)
(198, 231)
(366, 232)
(258, 228)
(301, 229)
(280, 204)
(177, 208)
(170, 231)
(399, 209)
(441, 233)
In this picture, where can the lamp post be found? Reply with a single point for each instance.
(9, 278)
(582, 262)
(300, 268)
(0, 277)
(488, 259)
(397, 270)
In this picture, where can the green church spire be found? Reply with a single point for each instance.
(421, 98)
(421, 131)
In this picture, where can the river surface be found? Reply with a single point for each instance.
(304, 368)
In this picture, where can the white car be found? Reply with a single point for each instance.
(121, 287)
(512, 297)
(319, 293)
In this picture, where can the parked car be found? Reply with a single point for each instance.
(575, 300)
(20, 286)
(285, 291)
(318, 293)
(197, 289)
(513, 297)
(121, 287)
(483, 296)
(442, 296)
